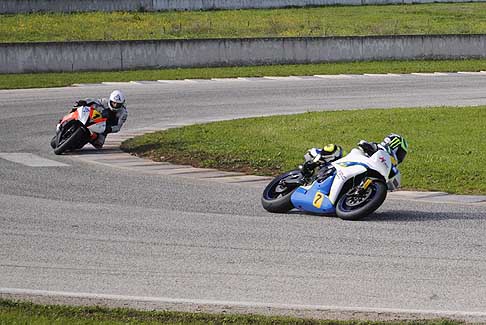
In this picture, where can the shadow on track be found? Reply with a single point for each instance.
(419, 216)
(403, 216)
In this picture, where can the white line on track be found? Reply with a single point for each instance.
(331, 76)
(382, 75)
(472, 73)
(104, 297)
(117, 83)
(429, 74)
(171, 81)
(290, 78)
(30, 160)
(227, 79)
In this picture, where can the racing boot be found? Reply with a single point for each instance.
(98, 141)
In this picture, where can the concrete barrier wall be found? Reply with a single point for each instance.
(125, 55)
(25, 6)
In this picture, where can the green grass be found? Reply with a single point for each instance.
(27, 313)
(445, 18)
(42, 80)
(447, 150)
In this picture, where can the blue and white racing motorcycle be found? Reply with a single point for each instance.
(351, 187)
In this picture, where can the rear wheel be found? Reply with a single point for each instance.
(358, 202)
(276, 196)
(70, 139)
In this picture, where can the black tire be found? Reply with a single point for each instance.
(275, 197)
(54, 142)
(72, 141)
(352, 207)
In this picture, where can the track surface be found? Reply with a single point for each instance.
(94, 229)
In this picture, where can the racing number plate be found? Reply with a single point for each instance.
(96, 115)
(318, 198)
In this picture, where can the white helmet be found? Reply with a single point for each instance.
(117, 99)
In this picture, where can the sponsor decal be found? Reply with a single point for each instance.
(383, 160)
(394, 143)
(341, 175)
(96, 114)
(318, 198)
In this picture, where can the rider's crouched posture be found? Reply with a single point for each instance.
(112, 108)
(393, 144)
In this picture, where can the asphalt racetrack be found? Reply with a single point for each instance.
(94, 232)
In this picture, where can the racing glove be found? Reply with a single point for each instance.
(313, 155)
(312, 159)
(80, 102)
(369, 148)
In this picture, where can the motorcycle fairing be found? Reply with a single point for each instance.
(84, 113)
(69, 117)
(357, 163)
(98, 127)
(344, 172)
(314, 198)
(380, 161)
(89, 117)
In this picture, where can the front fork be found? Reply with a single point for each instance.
(366, 183)
(362, 187)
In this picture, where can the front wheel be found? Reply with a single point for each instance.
(276, 196)
(54, 142)
(357, 203)
(71, 139)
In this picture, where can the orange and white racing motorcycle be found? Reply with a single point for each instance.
(78, 128)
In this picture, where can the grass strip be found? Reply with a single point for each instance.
(443, 18)
(12, 312)
(446, 151)
(43, 80)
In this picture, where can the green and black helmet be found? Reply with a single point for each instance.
(397, 144)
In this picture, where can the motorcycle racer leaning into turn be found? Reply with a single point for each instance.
(394, 144)
(112, 108)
